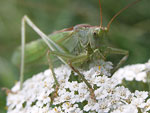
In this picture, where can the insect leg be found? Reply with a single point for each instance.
(56, 86)
(97, 51)
(85, 81)
(76, 59)
(50, 43)
(110, 50)
(51, 67)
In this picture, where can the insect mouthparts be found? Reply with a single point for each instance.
(104, 28)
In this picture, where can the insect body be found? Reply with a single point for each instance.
(75, 46)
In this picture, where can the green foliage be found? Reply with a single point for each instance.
(129, 31)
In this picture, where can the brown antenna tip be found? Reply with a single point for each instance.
(129, 5)
(100, 13)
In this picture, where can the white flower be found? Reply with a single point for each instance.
(147, 106)
(126, 109)
(122, 92)
(141, 94)
(73, 96)
(139, 99)
(137, 72)
(101, 80)
(89, 105)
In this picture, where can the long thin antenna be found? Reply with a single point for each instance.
(100, 13)
(129, 5)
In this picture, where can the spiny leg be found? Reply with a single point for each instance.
(85, 81)
(76, 59)
(56, 86)
(50, 43)
(97, 51)
(111, 50)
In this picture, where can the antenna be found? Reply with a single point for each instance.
(129, 5)
(100, 13)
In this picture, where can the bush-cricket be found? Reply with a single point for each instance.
(76, 46)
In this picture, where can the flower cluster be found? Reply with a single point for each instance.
(138, 72)
(73, 95)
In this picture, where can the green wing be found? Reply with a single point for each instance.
(35, 51)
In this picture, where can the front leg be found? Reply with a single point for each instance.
(85, 81)
(76, 59)
(110, 50)
(98, 54)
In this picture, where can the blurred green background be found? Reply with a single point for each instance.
(130, 31)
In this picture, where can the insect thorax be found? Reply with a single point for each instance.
(89, 38)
